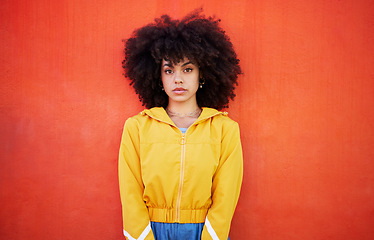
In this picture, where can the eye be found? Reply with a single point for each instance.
(168, 71)
(187, 70)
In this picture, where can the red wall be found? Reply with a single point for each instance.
(305, 107)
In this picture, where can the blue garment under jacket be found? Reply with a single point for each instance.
(177, 231)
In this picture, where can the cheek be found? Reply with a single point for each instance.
(196, 81)
(167, 84)
(164, 79)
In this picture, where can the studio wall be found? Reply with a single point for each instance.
(304, 105)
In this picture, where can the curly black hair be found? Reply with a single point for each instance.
(195, 37)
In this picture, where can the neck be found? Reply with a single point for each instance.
(182, 108)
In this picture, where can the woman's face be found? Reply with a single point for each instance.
(180, 81)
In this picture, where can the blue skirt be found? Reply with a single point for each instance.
(177, 231)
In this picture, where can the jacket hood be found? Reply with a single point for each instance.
(160, 114)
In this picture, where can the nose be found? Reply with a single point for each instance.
(178, 79)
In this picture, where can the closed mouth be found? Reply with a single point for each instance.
(179, 90)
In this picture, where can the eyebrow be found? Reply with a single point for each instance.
(184, 64)
(169, 64)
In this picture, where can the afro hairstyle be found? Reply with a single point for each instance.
(196, 37)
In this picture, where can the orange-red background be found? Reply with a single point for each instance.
(304, 104)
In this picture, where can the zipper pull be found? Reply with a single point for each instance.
(183, 139)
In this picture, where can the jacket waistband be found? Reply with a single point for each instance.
(186, 215)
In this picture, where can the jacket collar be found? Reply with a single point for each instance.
(160, 114)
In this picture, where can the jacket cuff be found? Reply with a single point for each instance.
(147, 234)
(208, 231)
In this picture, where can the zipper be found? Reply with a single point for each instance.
(182, 161)
(181, 177)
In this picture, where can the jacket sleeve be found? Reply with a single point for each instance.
(136, 222)
(226, 186)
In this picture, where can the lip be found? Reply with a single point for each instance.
(179, 90)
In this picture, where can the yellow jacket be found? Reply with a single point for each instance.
(168, 176)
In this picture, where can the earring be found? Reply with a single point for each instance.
(201, 82)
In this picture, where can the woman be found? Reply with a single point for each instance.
(180, 161)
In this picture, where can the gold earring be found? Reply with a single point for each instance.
(202, 82)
